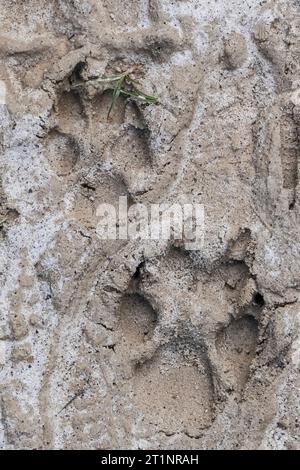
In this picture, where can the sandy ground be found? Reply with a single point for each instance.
(139, 343)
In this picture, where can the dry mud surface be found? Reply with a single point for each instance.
(130, 344)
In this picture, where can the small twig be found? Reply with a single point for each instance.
(78, 394)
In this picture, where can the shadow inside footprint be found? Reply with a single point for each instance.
(173, 395)
(137, 321)
(70, 112)
(236, 347)
(101, 105)
(62, 152)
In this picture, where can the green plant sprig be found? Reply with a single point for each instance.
(127, 86)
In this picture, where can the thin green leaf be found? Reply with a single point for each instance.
(116, 94)
(114, 78)
(124, 85)
(140, 95)
(131, 81)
